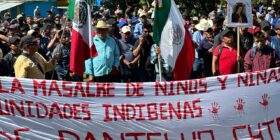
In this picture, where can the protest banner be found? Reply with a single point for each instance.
(239, 106)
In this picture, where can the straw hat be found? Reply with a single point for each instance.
(203, 25)
(101, 25)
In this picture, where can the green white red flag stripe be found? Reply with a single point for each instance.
(174, 40)
(82, 46)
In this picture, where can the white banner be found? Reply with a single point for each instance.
(240, 106)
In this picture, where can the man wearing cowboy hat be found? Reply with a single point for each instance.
(201, 27)
(104, 67)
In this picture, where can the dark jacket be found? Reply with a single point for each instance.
(4, 68)
(11, 58)
(62, 66)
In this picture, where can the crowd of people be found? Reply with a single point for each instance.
(40, 47)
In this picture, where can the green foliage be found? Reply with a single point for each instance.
(143, 2)
(194, 7)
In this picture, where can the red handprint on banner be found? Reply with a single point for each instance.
(265, 99)
(240, 105)
(215, 109)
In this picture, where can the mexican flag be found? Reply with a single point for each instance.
(82, 46)
(174, 40)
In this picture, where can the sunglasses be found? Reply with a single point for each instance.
(277, 28)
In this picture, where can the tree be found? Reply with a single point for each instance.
(194, 7)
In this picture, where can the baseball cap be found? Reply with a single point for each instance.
(57, 16)
(122, 23)
(125, 29)
(26, 40)
(13, 26)
(195, 18)
(227, 32)
(272, 12)
(277, 26)
(264, 25)
(123, 19)
(269, 8)
(13, 40)
(35, 26)
(111, 21)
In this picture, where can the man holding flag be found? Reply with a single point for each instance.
(104, 67)
(82, 47)
(175, 42)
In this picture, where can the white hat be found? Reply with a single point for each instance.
(210, 22)
(195, 18)
(118, 12)
(272, 12)
(269, 8)
(143, 14)
(125, 29)
(203, 25)
(19, 16)
(30, 32)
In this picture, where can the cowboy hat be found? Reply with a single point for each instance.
(203, 25)
(101, 25)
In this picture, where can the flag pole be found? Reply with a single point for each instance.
(158, 56)
(159, 65)
(238, 49)
(90, 35)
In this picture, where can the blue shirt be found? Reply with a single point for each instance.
(275, 44)
(138, 30)
(126, 48)
(62, 66)
(197, 38)
(43, 46)
(268, 17)
(261, 9)
(274, 21)
(108, 57)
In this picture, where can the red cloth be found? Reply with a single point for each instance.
(253, 30)
(227, 60)
(262, 60)
(185, 60)
(80, 51)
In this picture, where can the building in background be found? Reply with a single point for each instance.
(15, 7)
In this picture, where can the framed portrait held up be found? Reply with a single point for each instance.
(239, 13)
